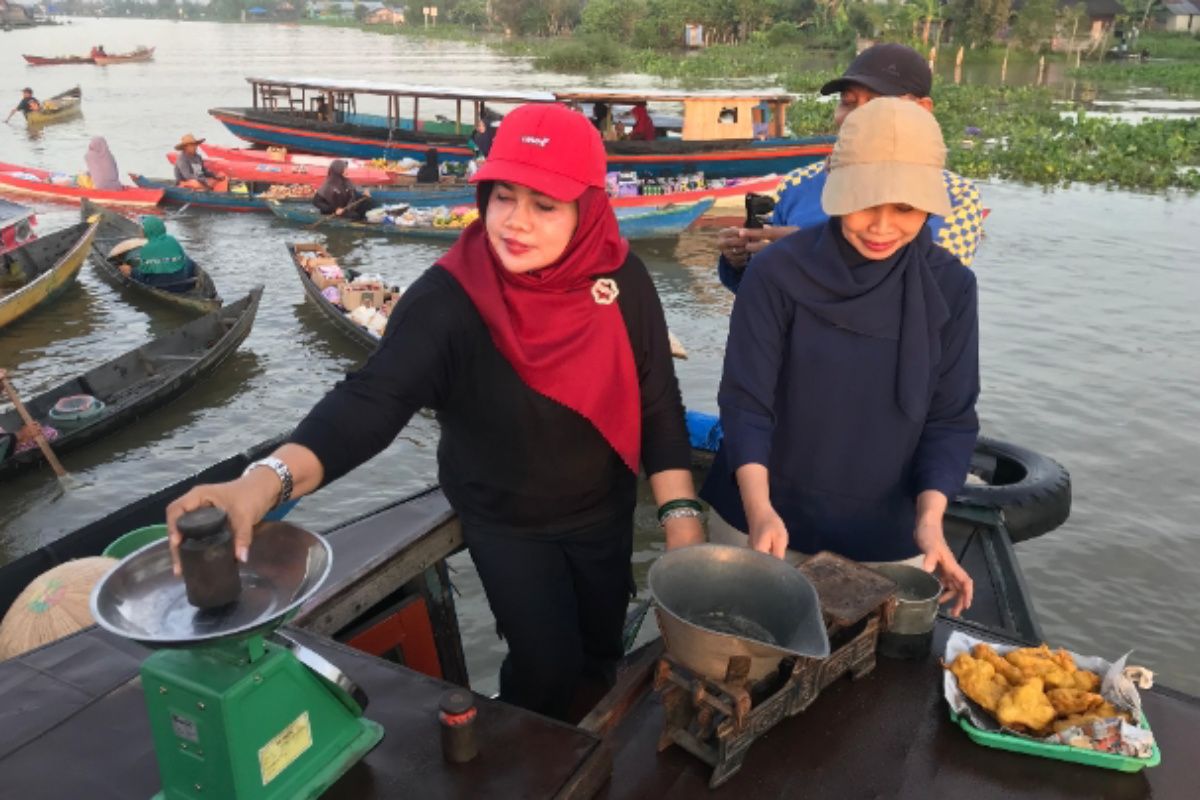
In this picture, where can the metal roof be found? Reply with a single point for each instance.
(1182, 8)
(405, 89)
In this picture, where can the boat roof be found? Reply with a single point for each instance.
(668, 95)
(11, 212)
(514, 96)
(405, 89)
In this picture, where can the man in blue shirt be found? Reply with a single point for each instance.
(885, 70)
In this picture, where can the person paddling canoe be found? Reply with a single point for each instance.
(28, 104)
(540, 341)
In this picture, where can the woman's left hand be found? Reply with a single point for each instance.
(940, 560)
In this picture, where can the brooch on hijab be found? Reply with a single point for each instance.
(605, 291)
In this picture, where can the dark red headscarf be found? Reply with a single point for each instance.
(562, 341)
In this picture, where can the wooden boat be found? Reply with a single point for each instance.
(62, 106)
(322, 116)
(141, 54)
(115, 228)
(45, 61)
(251, 199)
(636, 223)
(274, 172)
(138, 382)
(91, 539)
(48, 266)
(735, 189)
(33, 182)
(356, 333)
(16, 225)
(886, 735)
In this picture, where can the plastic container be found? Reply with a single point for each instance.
(135, 540)
(1059, 752)
(76, 411)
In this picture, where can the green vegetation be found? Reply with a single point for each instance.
(1181, 78)
(1179, 46)
(1022, 134)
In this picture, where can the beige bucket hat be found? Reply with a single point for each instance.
(888, 151)
(188, 139)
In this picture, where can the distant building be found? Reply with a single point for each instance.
(384, 16)
(14, 14)
(1181, 15)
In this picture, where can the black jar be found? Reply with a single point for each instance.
(210, 569)
(457, 716)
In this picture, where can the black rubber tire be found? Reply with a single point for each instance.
(1032, 490)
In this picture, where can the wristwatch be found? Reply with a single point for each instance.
(282, 471)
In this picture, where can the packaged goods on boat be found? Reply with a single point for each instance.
(1050, 703)
(437, 217)
(288, 191)
(366, 300)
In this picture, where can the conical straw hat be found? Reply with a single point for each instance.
(54, 605)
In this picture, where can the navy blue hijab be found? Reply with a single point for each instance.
(896, 299)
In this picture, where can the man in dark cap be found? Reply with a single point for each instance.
(885, 70)
(28, 103)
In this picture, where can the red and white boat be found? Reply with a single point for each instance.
(731, 191)
(16, 225)
(283, 172)
(33, 182)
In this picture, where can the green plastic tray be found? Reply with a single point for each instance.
(135, 540)
(1061, 752)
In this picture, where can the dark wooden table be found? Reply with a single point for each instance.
(889, 735)
(73, 725)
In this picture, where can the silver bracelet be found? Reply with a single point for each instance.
(281, 471)
(679, 513)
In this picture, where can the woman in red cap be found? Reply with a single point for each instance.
(541, 343)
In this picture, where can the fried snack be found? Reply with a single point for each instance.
(1086, 681)
(1026, 707)
(984, 652)
(979, 681)
(1039, 662)
(1072, 701)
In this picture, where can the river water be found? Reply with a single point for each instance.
(1087, 296)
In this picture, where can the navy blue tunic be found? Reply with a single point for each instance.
(816, 402)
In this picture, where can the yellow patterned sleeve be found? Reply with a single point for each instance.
(963, 228)
(796, 177)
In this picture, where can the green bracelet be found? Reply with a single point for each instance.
(683, 502)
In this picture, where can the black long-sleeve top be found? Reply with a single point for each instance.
(508, 457)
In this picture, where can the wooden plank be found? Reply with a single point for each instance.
(631, 684)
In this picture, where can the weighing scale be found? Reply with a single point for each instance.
(237, 709)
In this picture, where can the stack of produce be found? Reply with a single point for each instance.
(288, 191)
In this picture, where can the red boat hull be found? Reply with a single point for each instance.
(283, 172)
(46, 61)
(40, 186)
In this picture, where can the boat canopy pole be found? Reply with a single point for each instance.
(458, 116)
(416, 105)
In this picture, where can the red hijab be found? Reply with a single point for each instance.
(563, 342)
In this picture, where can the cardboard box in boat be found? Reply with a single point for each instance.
(371, 296)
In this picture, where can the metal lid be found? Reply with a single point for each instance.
(142, 599)
(201, 523)
(457, 701)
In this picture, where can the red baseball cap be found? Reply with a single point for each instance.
(549, 148)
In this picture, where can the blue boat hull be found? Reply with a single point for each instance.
(234, 201)
(636, 223)
(738, 160)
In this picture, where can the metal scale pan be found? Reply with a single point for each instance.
(142, 599)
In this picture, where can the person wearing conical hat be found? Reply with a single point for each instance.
(852, 366)
(190, 170)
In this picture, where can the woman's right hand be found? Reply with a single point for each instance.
(245, 502)
(768, 533)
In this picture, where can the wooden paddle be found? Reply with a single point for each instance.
(33, 425)
(344, 210)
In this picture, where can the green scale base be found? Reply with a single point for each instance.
(246, 720)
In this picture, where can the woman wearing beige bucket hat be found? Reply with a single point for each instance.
(852, 369)
(190, 170)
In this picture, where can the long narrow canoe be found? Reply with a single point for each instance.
(91, 539)
(33, 182)
(274, 172)
(59, 108)
(635, 223)
(48, 266)
(140, 381)
(734, 188)
(357, 334)
(415, 196)
(115, 228)
(141, 54)
(45, 61)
